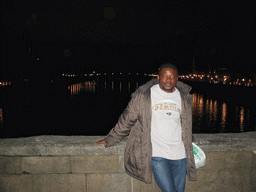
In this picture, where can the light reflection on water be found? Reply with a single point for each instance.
(90, 86)
(1, 117)
(224, 115)
(76, 89)
(209, 115)
(242, 119)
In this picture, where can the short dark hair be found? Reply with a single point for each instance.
(167, 65)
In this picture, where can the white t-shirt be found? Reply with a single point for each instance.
(166, 135)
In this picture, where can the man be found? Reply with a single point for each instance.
(158, 120)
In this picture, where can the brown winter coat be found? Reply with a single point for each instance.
(135, 121)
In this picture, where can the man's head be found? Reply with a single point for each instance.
(168, 77)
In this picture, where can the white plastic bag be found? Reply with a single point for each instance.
(199, 156)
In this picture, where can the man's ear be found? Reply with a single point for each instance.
(158, 77)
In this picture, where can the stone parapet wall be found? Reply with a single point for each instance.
(75, 163)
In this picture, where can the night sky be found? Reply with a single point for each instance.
(76, 36)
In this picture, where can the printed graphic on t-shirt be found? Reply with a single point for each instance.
(168, 109)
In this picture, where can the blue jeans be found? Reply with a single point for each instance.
(170, 175)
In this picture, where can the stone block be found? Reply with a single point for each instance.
(16, 183)
(59, 182)
(253, 185)
(215, 155)
(253, 180)
(121, 163)
(214, 160)
(204, 176)
(238, 159)
(139, 186)
(115, 182)
(46, 164)
(227, 180)
(253, 174)
(10, 165)
(214, 164)
(254, 160)
(95, 164)
(243, 144)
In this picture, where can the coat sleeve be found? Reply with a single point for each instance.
(126, 121)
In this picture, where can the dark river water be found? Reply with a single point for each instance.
(93, 108)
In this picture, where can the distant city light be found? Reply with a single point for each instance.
(217, 78)
(5, 83)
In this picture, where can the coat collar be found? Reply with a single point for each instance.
(182, 87)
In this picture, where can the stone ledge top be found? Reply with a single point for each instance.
(84, 145)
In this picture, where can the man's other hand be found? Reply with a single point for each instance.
(101, 142)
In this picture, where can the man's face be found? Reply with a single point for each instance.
(168, 79)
